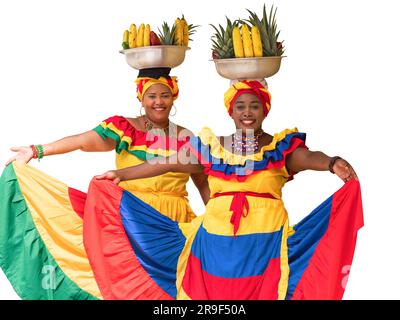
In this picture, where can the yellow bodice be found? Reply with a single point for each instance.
(263, 172)
(170, 183)
(270, 181)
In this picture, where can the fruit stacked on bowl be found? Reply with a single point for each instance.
(177, 34)
(144, 48)
(248, 48)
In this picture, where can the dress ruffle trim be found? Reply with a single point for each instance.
(221, 163)
(139, 143)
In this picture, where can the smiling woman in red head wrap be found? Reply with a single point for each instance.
(243, 247)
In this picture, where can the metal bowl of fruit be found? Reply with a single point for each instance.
(169, 56)
(248, 68)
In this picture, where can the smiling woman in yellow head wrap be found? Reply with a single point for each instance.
(55, 224)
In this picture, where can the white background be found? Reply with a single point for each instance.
(61, 74)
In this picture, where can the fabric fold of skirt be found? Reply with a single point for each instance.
(60, 243)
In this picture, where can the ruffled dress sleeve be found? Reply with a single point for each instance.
(143, 145)
(120, 130)
(221, 163)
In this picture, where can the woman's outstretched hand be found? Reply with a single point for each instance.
(110, 175)
(24, 155)
(344, 170)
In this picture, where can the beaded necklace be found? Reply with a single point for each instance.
(168, 130)
(246, 144)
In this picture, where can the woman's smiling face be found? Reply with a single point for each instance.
(248, 112)
(157, 102)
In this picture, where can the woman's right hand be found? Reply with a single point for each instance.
(110, 175)
(24, 155)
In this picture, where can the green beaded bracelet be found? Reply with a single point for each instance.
(39, 151)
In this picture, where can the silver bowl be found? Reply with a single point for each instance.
(155, 56)
(248, 68)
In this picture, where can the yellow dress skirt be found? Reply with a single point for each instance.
(241, 248)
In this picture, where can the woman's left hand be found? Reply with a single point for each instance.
(110, 175)
(344, 170)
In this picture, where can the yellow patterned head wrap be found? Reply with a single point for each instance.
(144, 83)
(247, 86)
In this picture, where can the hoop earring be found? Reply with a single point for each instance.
(175, 111)
(140, 112)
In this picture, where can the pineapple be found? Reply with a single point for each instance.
(268, 32)
(187, 31)
(222, 41)
(167, 34)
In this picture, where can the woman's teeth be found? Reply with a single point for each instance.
(248, 122)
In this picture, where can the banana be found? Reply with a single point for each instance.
(257, 43)
(247, 43)
(140, 34)
(185, 32)
(132, 36)
(146, 37)
(125, 40)
(237, 43)
(126, 36)
(132, 28)
(178, 32)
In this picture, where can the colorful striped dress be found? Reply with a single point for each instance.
(241, 248)
(41, 219)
